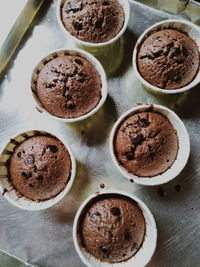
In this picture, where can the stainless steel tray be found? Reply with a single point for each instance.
(45, 238)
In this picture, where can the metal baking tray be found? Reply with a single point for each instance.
(44, 238)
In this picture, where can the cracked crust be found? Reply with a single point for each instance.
(69, 87)
(93, 21)
(40, 168)
(113, 228)
(146, 144)
(168, 59)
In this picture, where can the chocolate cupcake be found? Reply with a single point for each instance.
(39, 168)
(69, 86)
(168, 59)
(112, 228)
(93, 21)
(146, 144)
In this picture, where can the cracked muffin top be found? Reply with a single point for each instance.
(146, 144)
(112, 228)
(40, 168)
(69, 86)
(94, 21)
(168, 59)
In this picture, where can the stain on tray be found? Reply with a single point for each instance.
(161, 191)
(178, 188)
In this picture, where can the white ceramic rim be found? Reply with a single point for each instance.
(27, 204)
(126, 7)
(150, 240)
(149, 86)
(94, 62)
(183, 152)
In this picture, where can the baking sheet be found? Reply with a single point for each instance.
(44, 238)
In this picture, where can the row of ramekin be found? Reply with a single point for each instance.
(97, 49)
(171, 173)
(188, 27)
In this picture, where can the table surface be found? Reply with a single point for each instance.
(44, 238)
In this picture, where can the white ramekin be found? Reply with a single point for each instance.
(183, 151)
(93, 46)
(144, 254)
(193, 32)
(74, 52)
(6, 187)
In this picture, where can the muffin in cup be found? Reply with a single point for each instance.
(149, 144)
(94, 23)
(69, 85)
(114, 227)
(166, 57)
(37, 170)
(97, 27)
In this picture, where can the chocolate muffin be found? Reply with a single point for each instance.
(112, 228)
(69, 86)
(146, 144)
(168, 59)
(93, 21)
(40, 168)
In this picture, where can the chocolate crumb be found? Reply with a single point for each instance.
(102, 186)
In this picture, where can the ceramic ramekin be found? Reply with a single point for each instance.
(6, 187)
(74, 52)
(183, 151)
(193, 32)
(144, 254)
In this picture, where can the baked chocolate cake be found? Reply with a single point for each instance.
(40, 168)
(69, 86)
(93, 21)
(112, 228)
(146, 144)
(168, 59)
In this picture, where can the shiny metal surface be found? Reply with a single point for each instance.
(45, 238)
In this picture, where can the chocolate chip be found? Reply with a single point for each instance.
(70, 106)
(78, 61)
(30, 160)
(105, 3)
(127, 236)
(129, 155)
(96, 215)
(98, 23)
(31, 185)
(53, 148)
(115, 211)
(77, 25)
(68, 97)
(83, 77)
(39, 178)
(19, 154)
(134, 246)
(137, 139)
(144, 122)
(24, 174)
(104, 249)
